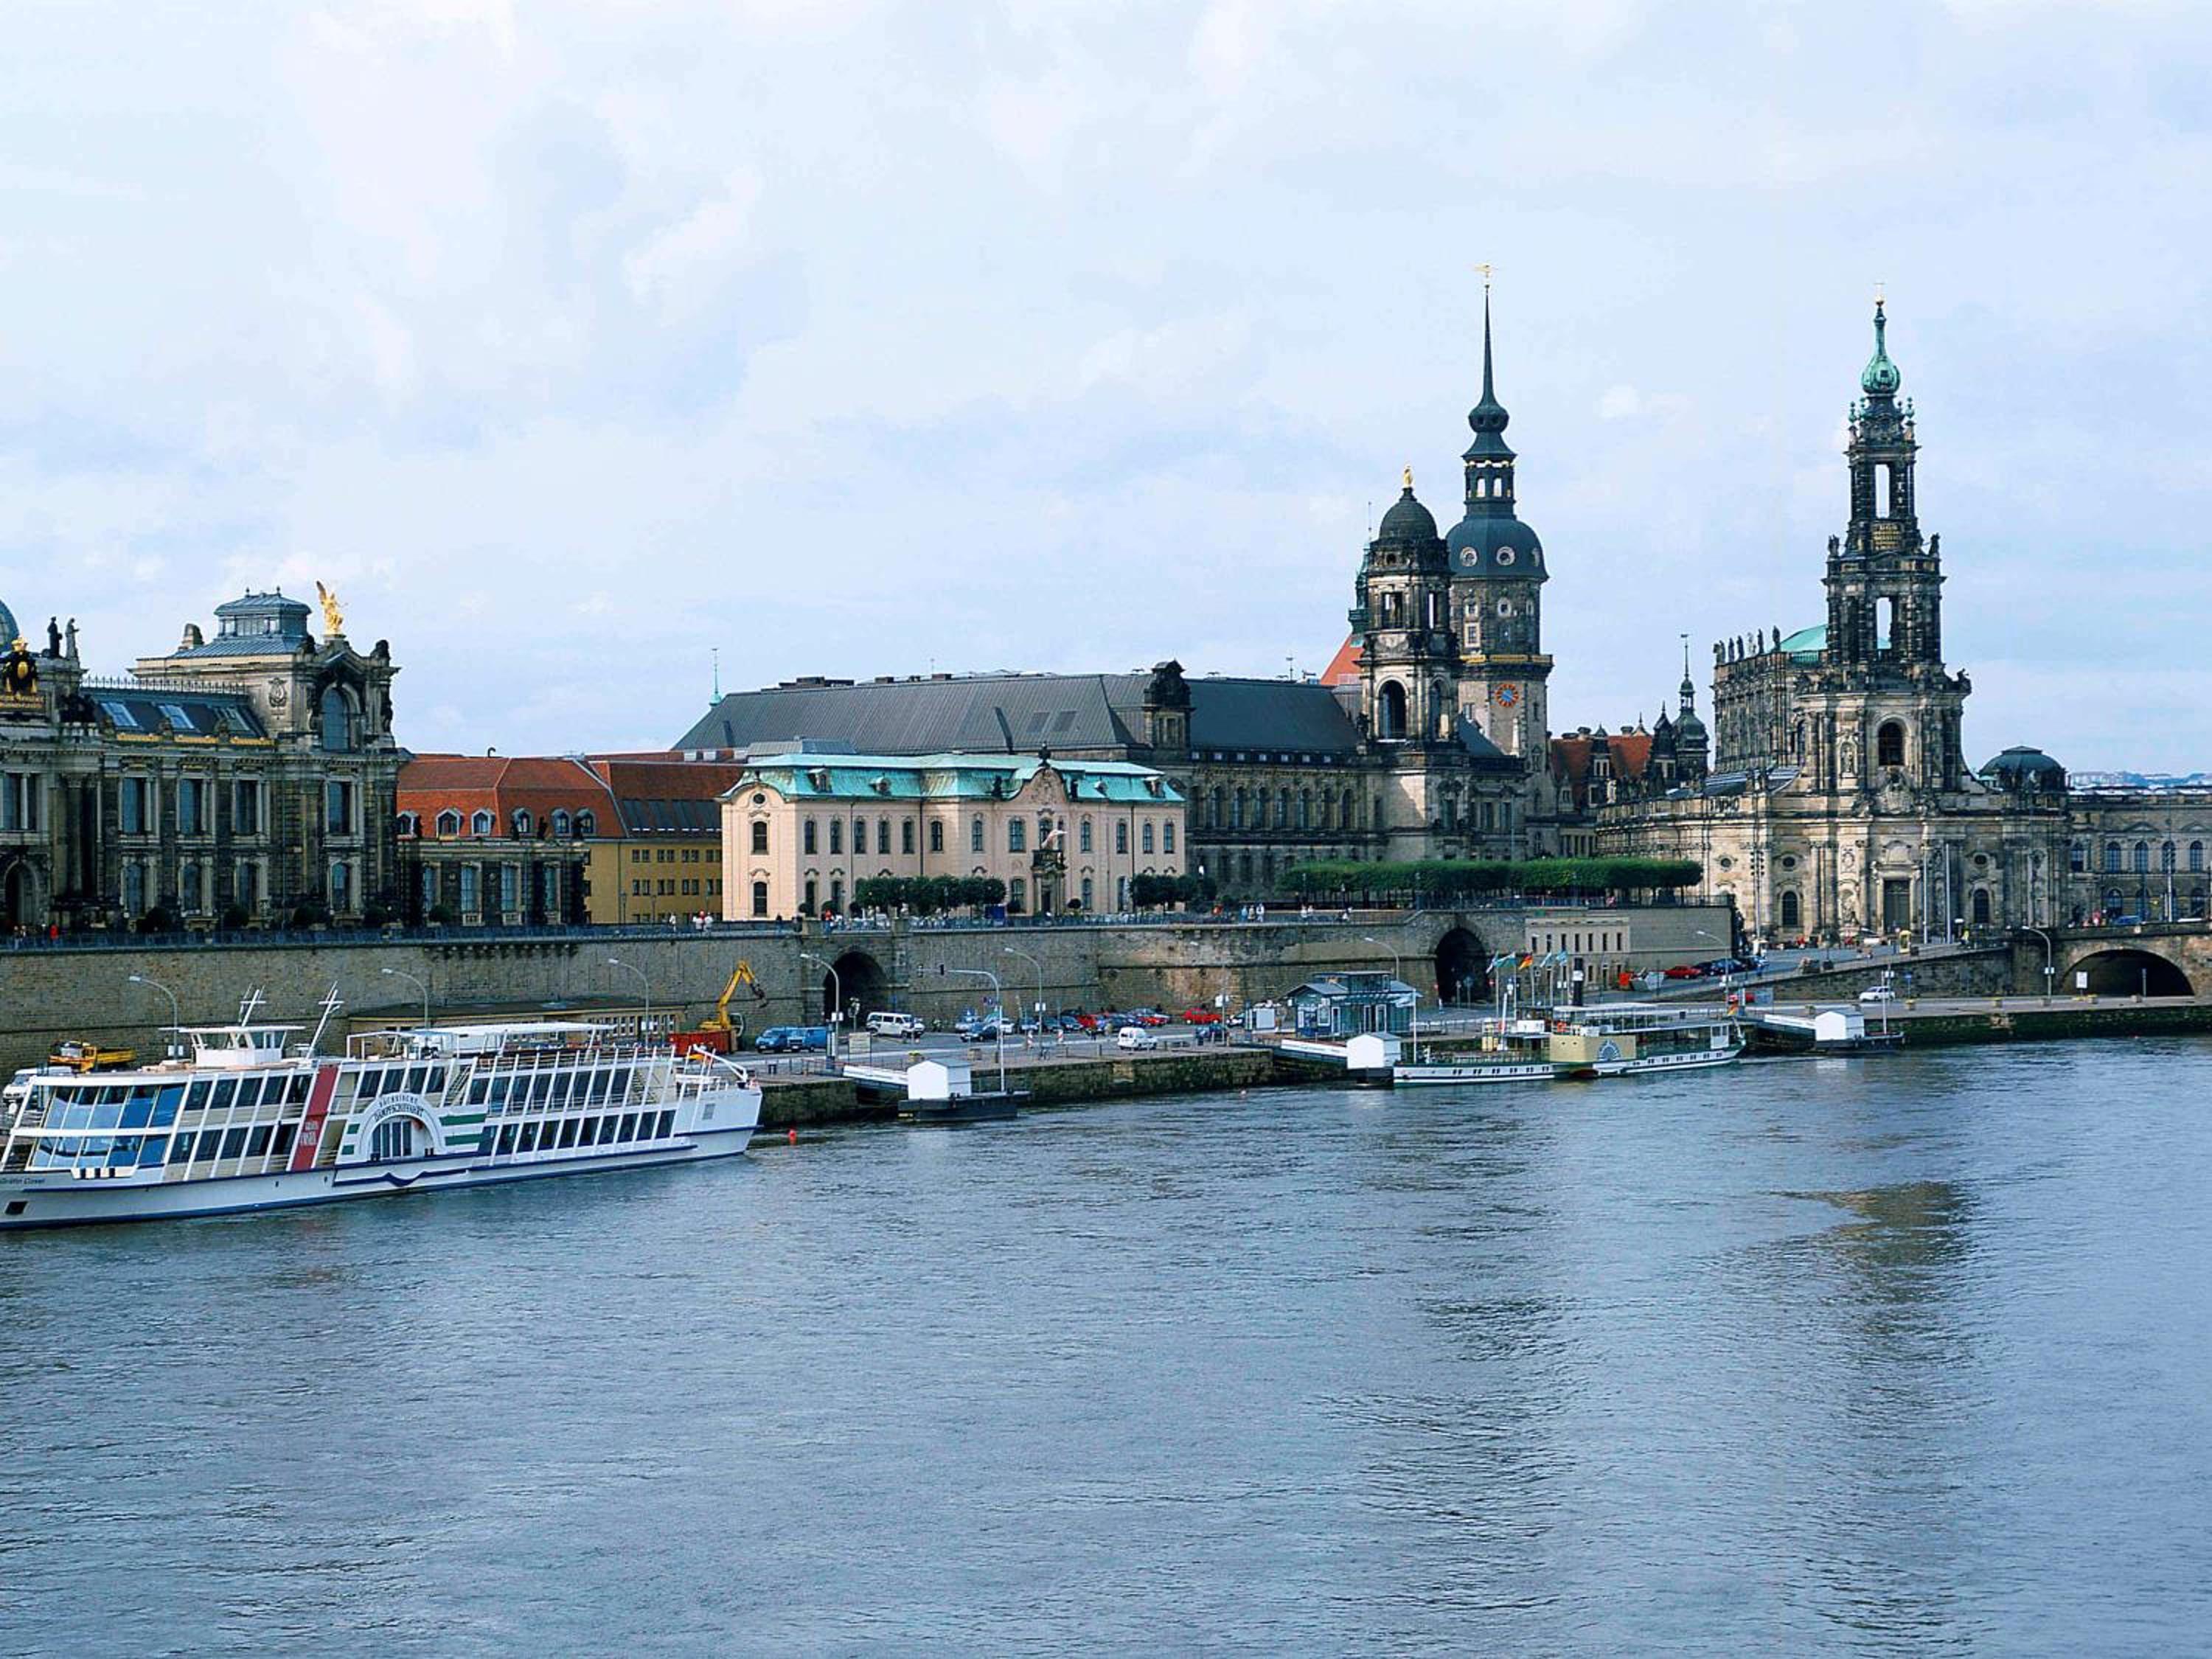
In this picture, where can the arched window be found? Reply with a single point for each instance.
(2077, 858)
(883, 836)
(1390, 711)
(340, 885)
(975, 835)
(1305, 808)
(836, 836)
(1282, 809)
(339, 717)
(480, 824)
(1214, 806)
(2165, 856)
(2111, 856)
(760, 899)
(521, 819)
(1237, 810)
(1885, 622)
(1789, 911)
(937, 836)
(1145, 838)
(1981, 911)
(1122, 836)
(906, 836)
(1167, 836)
(806, 840)
(587, 824)
(2196, 855)
(1889, 744)
(2143, 857)
(760, 836)
(449, 823)
(561, 823)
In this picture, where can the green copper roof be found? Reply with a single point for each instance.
(1880, 379)
(1807, 644)
(948, 777)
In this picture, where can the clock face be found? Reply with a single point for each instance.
(1507, 695)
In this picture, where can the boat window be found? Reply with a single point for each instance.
(225, 1091)
(167, 1103)
(629, 1131)
(607, 1127)
(475, 1095)
(499, 1088)
(233, 1142)
(284, 1133)
(505, 1138)
(530, 1137)
(297, 1094)
(568, 1131)
(540, 1086)
(182, 1152)
(437, 1080)
(257, 1144)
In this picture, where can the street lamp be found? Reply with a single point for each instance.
(837, 990)
(176, 1019)
(2049, 967)
(999, 1024)
(1009, 951)
(645, 1019)
(397, 973)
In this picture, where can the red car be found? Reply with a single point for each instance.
(1201, 1016)
(1684, 970)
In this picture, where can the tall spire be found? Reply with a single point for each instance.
(1689, 685)
(1880, 379)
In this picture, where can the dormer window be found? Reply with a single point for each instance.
(480, 824)
(521, 820)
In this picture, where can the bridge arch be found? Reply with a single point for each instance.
(2129, 972)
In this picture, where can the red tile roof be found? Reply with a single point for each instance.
(1630, 753)
(1344, 667)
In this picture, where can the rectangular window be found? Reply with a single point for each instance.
(883, 834)
(976, 836)
(233, 1142)
(1167, 836)
(246, 809)
(906, 836)
(191, 807)
(135, 805)
(1016, 835)
(1146, 842)
(257, 1144)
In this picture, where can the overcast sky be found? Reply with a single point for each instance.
(570, 342)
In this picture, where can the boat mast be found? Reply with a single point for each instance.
(330, 1004)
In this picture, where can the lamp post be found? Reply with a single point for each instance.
(1009, 951)
(998, 1025)
(837, 990)
(176, 1019)
(2048, 967)
(645, 1019)
(399, 973)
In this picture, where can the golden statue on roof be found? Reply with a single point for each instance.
(333, 614)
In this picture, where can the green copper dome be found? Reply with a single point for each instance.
(1880, 379)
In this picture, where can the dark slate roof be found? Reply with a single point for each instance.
(670, 817)
(194, 714)
(254, 625)
(1018, 713)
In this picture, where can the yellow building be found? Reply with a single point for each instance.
(799, 831)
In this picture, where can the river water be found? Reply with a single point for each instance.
(1895, 1356)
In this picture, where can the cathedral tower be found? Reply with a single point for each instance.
(1403, 619)
(1497, 578)
(1885, 586)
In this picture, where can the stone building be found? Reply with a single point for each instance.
(245, 779)
(801, 829)
(1839, 801)
(1425, 739)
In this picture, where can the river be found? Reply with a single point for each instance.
(1898, 1355)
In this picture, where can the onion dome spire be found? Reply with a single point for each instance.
(1881, 378)
(1488, 417)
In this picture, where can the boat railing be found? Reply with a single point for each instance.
(709, 1060)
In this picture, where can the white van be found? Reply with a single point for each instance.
(1135, 1036)
(895, 1025)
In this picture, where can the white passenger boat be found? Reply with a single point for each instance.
(1507, 1051)
(249, 1118)
(1630, 1039)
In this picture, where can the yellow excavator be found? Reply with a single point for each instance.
(720, 1029)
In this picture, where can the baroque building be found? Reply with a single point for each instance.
(242, 780)
(1424, 738)
(1838, 800)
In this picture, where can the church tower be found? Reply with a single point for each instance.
(1403, 620)
(1885, 586)
(1497, 578)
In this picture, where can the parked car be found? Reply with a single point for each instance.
(791, 1039)
(1196, 1015)
(887, 1024)
(1135, 1036)
(987, 1029)
(1151, 1018)
(1879, 994)
(1684, 970)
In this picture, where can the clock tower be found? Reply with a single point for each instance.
(1498, 578)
